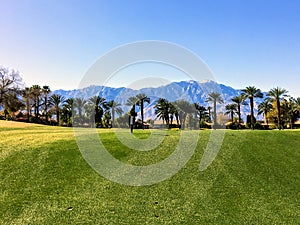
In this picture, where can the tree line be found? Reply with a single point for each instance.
(37, 104)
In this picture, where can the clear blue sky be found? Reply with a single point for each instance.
(243, 42)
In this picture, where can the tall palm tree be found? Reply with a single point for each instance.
(209, 108)
(36, 92)
(79, 104)
(68, 111)
(142, 98)
(162, 108)
(252, 92)
(239, 100)
(26, 94)
(231, 109)
(276, 95)
(115, 108)
(184, 108)
(201, 111)
(264, 108)
(98, 103)
(46, 91)
(132, 101)
(173, 112)
(56, 100)
(215, 98)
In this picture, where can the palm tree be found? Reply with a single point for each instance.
(231, 109)
(184, 108)
(252, 92)
(36, 93)
(290, 111)
(131, 101)
(276, 95)
(264, 108)
(98, 103)
(173, 112)
(78, 104)
(201, 111)
(141, 99)
(26, 94)
(215, 98)
(239, 100)
(162, 108)
(209, 108)
(46, 90)
(115, 108)
(56, 100)
(68, 111)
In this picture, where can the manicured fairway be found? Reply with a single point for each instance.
(255, 179)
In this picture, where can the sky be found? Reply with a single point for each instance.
(243, 42)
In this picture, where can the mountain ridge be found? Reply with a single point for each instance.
(192, 91)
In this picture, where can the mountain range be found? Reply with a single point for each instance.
(192, 91)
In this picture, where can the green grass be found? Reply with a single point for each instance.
(255, 179)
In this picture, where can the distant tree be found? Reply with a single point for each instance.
(201, 112)
(98, 103)
(215, 98)
(115, 107)
(56, 100)
(11, 103)
(297, 103)
(173, 112)
(36, 92)
(252, 92)
(290, 111)
(142, 98)
(264, 108)
(67, 111)
(239, 100)
(78, 109)
(162, 108)
(276, 95)
(231, 109)
(209, 108)
(46, 91)
(132, 101)
(26, 94)
(10, 82)
(184, 108)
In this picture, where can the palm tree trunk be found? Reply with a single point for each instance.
(113, 116)
(266, 117)
(252, 113)
(142, 112)
(278, 114)
(177, 119)
(57, 116)
(215, 113)
(27, 109)
(239, 112)
(46, 109)
(209, 115)
(171, 120)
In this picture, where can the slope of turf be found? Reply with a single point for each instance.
(255, 179)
